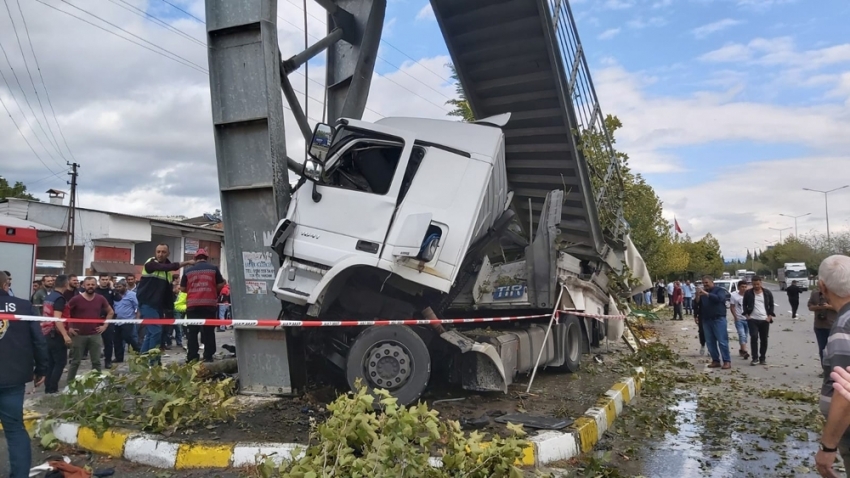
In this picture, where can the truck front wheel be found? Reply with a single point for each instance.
(391, 357)
(572, 345)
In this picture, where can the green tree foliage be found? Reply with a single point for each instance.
(811, 249)
(704, 257)
(461, 104)
(18, 190)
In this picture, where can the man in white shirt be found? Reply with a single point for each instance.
(736, 306)
(758, 308)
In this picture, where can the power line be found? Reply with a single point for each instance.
(184, 11)
(32, 82)
(202, 70)
(23, 113)
(156, 20)
(43, 84)
(442, 107)
(388, 62)
(25, 138)
(132, 34)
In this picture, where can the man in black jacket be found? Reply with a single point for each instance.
(758, 307)
(794, 292)
(23, 353)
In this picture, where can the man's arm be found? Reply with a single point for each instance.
(219, 280)
(717, 295)
(154, 266)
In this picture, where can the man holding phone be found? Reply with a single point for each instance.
(713, 316)
(758, 308)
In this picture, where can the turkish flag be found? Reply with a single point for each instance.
(678, 229)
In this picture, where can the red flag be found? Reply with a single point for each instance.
(678, 229)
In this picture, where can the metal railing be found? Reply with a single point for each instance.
(588, 115)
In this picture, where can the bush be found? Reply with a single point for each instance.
(159, 399)
(358, 441)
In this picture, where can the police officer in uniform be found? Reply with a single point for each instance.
(23, 354)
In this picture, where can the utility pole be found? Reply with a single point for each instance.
(826, 206)
(795, 221)
(780, 232)
(72, 214)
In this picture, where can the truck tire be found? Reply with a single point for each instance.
(575, 337)
(392, 357)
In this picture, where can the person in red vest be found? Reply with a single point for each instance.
(202, 284)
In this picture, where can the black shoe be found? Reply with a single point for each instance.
(762, 362)
(754, 362)
(107, 365)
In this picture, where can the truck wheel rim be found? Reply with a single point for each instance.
(388, 365)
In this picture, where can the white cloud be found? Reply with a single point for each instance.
(654, 126)
(618, 4)
(639, 23)
(609, 33)
(707, 29)
(781, 51)
(426, 13)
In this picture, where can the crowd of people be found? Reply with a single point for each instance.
(38, 351)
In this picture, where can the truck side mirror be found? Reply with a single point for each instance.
(321, 142)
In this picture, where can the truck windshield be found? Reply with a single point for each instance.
(796, 274)
(362, 160)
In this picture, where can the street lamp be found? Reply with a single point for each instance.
(780, 232)
(795, 220)
(826, 205)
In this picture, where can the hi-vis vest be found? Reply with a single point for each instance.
(166, 276)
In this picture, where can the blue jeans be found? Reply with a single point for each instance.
(153, 333)
(822, 336)
(717, 336)
(17, 438)
(743, 329)
(689, 305)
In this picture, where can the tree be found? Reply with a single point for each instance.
(704, 257)
(19, 190)
(461, 105)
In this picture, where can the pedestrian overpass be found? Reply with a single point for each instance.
(524, 57)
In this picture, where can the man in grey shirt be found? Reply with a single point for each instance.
(834, 284)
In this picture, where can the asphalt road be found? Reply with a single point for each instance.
(740, 449)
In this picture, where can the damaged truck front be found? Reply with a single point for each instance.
(415, 219)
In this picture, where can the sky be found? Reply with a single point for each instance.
(730, 107)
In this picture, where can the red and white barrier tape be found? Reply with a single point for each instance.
(294, 323)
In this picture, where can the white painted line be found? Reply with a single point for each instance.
(66, 432)
(251, 454)
(554, 446)
(617, 397)
(147, 450)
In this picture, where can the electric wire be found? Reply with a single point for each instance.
(25, 137)
(132, 34)
(55, 143)
(43, 83)
(156, 20)
(184, 11)
(23, 113)
(202, 70)
(390, 63)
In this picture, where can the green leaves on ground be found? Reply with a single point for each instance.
(159, 399)
(360, 441)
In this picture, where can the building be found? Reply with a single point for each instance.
(108, 242)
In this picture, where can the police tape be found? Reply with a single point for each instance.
(297, 323)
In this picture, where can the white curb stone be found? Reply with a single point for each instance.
(250, 454)
(617, 397)
(149, 451)
(554, 446)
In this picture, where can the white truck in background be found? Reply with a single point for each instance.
(792, 271)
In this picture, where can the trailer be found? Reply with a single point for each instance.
(403, 236)
(792, 272)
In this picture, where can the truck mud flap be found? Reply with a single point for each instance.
(482, 369)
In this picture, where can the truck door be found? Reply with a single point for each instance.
(358, 199)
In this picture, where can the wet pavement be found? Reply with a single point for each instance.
(745, 422)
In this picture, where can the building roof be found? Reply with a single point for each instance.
(131, 216)
(11, 221)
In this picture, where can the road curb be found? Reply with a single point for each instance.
(145, 449)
